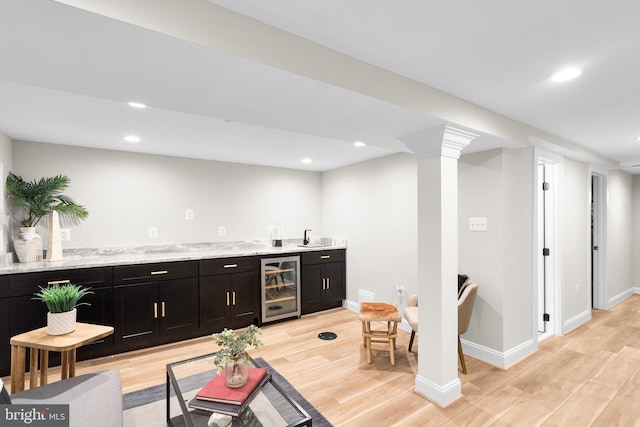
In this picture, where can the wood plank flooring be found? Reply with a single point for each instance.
(590, 377)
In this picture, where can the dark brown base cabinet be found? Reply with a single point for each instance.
(20, 313)
(157, 303)
(229, 293)
(323, 280)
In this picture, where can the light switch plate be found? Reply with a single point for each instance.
(478, 224)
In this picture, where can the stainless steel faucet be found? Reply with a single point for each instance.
(307, 239)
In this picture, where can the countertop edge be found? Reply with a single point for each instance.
(79, 262)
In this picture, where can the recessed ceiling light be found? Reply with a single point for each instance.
(132, 138)
(306, 160)
(137, 104)
(566, 74)
(359, 144)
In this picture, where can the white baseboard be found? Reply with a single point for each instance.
(620, 297)
(441, 396)
(576, 321)
(496, 358)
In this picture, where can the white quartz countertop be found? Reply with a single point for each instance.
(102, 257)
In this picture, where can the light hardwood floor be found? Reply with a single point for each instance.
(591, 376)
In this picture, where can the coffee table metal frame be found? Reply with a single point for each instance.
(173, 381)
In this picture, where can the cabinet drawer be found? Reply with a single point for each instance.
(210, 267)
(12, 285)
(321, 257)
(155, 272)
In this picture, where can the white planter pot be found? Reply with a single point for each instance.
(61, 323)
(28, 245)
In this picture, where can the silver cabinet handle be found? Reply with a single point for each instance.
(328, 283)
(162, 308)
(155, 273)
(227, 299)
(230, 266)
(155, 310)
(234, 297)
(325, 256)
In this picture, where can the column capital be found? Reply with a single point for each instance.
(443, 141)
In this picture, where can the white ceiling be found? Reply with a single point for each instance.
(65, 75)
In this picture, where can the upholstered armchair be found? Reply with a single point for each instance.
(411, 314)
(466, 299)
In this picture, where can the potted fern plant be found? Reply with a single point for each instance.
(34, 200)
(62, 300)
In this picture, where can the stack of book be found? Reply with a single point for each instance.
(217, 397)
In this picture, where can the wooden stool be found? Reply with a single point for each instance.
(379, 312)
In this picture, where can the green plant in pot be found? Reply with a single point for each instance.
(34, 200)
(62, 301)
(232, 357)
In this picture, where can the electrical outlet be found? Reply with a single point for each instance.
(478, 224)
(153, 232)
(222, 230)
(65, 234)
(188, 214)
(577, 288)
(400, 290)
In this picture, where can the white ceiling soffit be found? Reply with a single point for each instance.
(495, 54)
(67, 74)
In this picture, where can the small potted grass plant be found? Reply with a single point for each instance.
(232, 357)
(62, 300)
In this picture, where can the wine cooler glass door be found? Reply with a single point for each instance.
(280, 288)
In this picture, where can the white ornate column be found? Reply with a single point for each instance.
(437, 151)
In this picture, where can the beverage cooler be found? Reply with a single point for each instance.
(280, 288)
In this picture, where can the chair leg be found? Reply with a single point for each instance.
(461, 356)
(413, 335)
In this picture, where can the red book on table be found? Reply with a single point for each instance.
(217, 391)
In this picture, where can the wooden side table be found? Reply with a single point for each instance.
(380, 312)
(41, 344)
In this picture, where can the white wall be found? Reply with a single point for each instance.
(619, 228)
(126, 193)
(6, 163)
(497, 185)
(636, 232)
(577, 239)
(373, 205)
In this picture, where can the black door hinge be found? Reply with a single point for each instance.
(545, 186)
(546, 252)
(546, 317)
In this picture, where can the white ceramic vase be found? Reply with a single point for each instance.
(61, 323)
(28, 245)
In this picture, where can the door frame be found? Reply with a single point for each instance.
(555, 174)
(598, 299)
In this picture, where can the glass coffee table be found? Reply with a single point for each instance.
(271, 407)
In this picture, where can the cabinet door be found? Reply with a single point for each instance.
(178, 307)
(137, 314)
(99, 312)
(213, 302)
(18, 315)
(334, 274)
(244, 305)
(312, 292)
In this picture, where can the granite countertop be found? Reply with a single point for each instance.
(102, 257)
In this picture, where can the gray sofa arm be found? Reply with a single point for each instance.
(94, 399)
